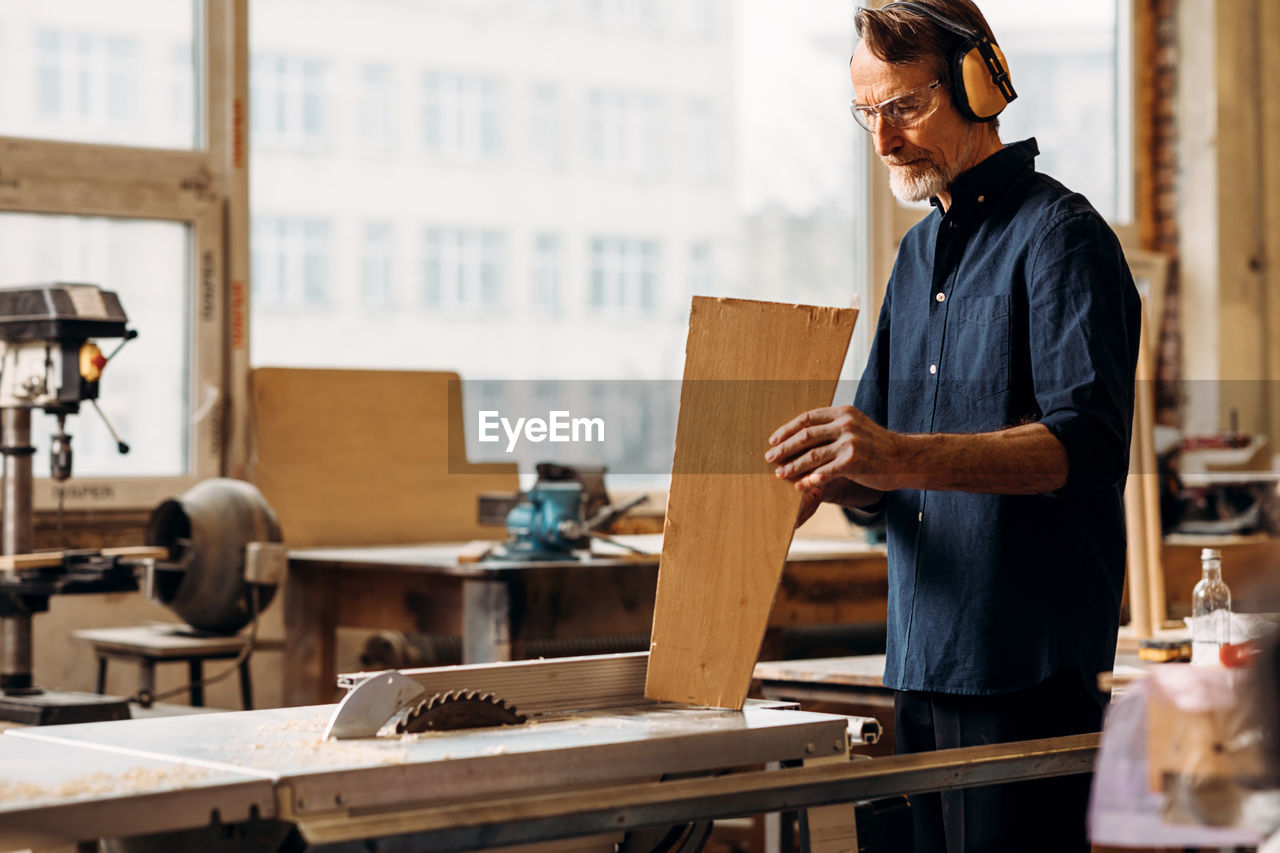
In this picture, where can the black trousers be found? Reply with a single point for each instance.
(1042, 816)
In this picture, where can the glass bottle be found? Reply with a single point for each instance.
(1210, 610)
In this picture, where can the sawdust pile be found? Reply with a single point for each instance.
(300, 742)
(132, 781)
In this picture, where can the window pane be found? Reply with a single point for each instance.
(144, 390)
(1069, 64)
(554, 209)
(88, 71)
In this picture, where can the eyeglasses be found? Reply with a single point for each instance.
(901, 111)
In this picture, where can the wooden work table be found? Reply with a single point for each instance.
(495, 606)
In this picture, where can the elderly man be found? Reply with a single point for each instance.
(992, 424)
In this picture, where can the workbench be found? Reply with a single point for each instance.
(496, 606)
(853, 680)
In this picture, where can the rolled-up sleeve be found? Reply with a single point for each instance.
(1084, 325)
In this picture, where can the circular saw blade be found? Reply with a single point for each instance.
(458, 709)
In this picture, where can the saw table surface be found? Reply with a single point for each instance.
(79, 782)
(55, 793)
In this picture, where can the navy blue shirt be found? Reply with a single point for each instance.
(1014, 307)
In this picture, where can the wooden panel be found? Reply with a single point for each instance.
(749, 368)
(359, 457)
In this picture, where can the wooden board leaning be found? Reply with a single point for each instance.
(749, 368)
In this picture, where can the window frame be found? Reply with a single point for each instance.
(204, 188)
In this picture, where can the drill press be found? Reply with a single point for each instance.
(48, 362)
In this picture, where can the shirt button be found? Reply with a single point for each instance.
(941, 297)
(933, 368)
(981, 199)
(919, 516)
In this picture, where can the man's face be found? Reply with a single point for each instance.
(925, 159)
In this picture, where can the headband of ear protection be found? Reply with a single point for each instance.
(980, 84)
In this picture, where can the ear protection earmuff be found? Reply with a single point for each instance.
(980, 83)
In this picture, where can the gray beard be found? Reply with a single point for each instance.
(919, 182)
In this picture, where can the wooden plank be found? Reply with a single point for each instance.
(1148, 475)
(137, 552)
(362, 457)
(749, 368)
(15, 562)
(1138, 561)
(47, 559)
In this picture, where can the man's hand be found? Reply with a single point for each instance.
(818, 449)
(809, 503)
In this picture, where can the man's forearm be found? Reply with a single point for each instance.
(1024, 460)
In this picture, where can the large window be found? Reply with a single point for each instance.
(99, 72)
(513, 190)
(116, 170)
(576, 171)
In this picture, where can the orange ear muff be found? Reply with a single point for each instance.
(980, 85)
(983, 96)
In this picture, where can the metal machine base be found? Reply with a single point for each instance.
(57, 708)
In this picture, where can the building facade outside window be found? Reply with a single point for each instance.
(86, 80)
(546, 132)
(290, 102)
(463, 268)
(377, 110)
(624, 275)
(462, 116)
(377, 259)
(624, 133)
(291, 263)
(546, 272)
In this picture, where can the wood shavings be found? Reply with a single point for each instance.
(299, 742)
(132, 781)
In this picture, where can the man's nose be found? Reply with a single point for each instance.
(887, 137)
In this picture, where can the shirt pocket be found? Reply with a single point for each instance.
(980, 345)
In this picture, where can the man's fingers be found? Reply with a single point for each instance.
(799, 466)
(802, 440)
(819, 477)
(809, 418)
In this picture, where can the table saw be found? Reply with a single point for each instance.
(271, 773)
(269, 780)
